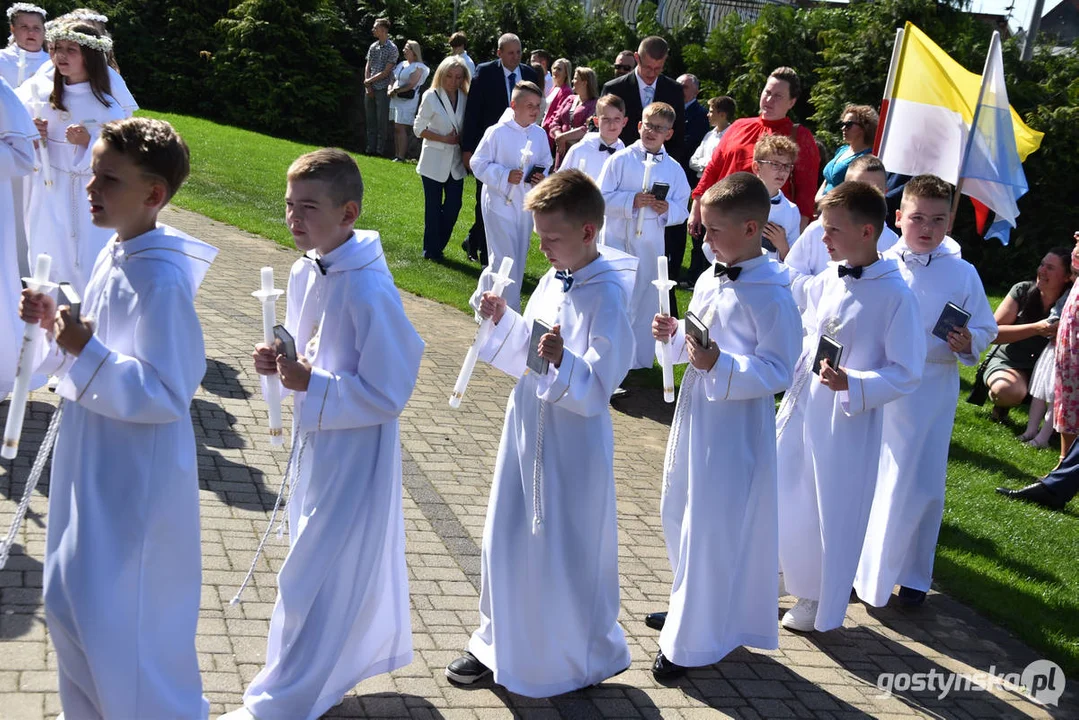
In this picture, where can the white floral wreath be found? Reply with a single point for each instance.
(101, 44)
(85, 16)
(19, 8)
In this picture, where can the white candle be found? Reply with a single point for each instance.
(663, 286)
(31, 344)
(582, 164)
(271, 384)
(526, 156)
(645, 186)
(501, 280)
(22, 67)
(42, 144)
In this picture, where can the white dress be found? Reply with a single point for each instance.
(908, 505)
(829, 442)
(58, 218)
(403, 110)
(509, 225)
(9, 64)
(622, 178)
(342, 611)
(719, 493)
(117, 87)
(549, 595)
(17, 133)
(122, 556)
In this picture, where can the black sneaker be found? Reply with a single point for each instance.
(909, 597)
(467, 669)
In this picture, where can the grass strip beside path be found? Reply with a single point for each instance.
(1012, 562)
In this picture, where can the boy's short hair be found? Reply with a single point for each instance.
(769, 146)
(610, 100)
(866, 164)
(722, 104)
(153, 146)
(526, 86)
(542, 55)
(336, 169)
(929, 187)
(382, 22)
(660, 110)
(865, 203)
(789, 76)
(458, 40)
(571, 193)
(741, 195)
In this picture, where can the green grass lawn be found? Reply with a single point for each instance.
(1014, 563)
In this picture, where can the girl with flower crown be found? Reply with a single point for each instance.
(69, 112)
(25, 52)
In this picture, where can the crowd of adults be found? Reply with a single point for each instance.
(465, 99)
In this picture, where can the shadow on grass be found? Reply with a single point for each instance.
(959, 453)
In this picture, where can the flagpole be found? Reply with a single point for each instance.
(994, 46)
(889, 88)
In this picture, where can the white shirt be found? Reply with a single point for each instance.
(468, 62)
(506, 74)
(704, 151)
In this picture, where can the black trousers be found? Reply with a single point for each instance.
(477, 234)
(1064, 481)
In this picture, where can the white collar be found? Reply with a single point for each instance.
(642, 84)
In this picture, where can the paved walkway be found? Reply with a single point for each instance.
(449, 457)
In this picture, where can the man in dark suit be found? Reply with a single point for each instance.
(645, 85)
(488, 98)
(696, 128)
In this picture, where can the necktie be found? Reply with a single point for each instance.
(922, 260)
(512, 80)
(566, 278)
(855, 272)
(649, 94)
(607, 149)
(731, 271)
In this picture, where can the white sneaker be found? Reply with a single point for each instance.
(801, 616)
(241, 713)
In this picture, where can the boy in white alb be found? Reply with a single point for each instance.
(808, 257)
(17, 133)
(829, 425)
(596, 148)
(342, 601)
(773, 160)
(719, 521)
(22, 58)
(549, 565)
(497, 163)
(901, 540)
(123, 562)
(632, 206)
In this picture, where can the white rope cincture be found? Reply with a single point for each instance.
(295, 461)
(685, 396)
(537, 472)
(36, 470)
(790, 398)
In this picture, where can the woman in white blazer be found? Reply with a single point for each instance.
(439, 122)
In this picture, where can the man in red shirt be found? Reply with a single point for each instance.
(735, 151)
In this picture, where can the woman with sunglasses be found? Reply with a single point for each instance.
(859, 126)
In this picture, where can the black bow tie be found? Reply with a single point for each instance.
(318, 262)
(855, 272)
(731, 271)
(607, 149)
(776, 199)
(566, 278)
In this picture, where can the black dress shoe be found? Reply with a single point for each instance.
(655, 620)
(466, 669)
(1036, 493)
(909, 597)
(664, 669)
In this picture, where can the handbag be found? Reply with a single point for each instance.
(979, 393)
(406, 94)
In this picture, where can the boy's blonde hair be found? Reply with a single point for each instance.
(865, 204)
(770, 146)
(526, 86)
(336, 169)
(153, 146)
(610, 101)
(660, 110)
(929, 187)
(741, 195)
(572, 194)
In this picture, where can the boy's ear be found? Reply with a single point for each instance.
(590, 232)
(753, 228)
(158, 194)
(350, 213)
(899, 215)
